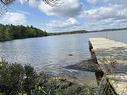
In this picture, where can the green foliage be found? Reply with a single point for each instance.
(58, 91)
(11, 76)
(9, 32)
(29, 80)
(16, 79)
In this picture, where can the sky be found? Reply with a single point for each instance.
(68, 15)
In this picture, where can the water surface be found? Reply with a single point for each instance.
(52, 53)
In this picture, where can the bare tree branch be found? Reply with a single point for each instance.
(4, 6)
(6, 2)
(51, 2)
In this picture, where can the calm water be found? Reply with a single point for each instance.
(52, 53)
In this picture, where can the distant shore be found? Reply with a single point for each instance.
(13, 32)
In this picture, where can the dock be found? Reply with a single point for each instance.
(111, 56)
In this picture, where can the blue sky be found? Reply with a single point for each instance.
(68, 15)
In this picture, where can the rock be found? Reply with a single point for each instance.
(86, 65)
(70, 54)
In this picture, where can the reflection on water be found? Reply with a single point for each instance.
(52, 53)
(47, 53)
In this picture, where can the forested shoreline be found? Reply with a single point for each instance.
(10, 32)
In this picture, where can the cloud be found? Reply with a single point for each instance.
(104, 15)
(13, 18)
(92, 1)
(63, 25)
(64, 8)
(23, 12)
(123, 2)
(111, 15)
(107, 12)
(67, 8)
(76, 15)
(30, 2)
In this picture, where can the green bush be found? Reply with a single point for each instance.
(16, 79)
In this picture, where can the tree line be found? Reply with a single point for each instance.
(10, 32)
(69, 32)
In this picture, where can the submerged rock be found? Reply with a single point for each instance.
(70, 54)
(86, 65)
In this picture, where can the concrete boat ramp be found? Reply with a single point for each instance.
(112, 58)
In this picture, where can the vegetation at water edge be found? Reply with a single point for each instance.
(16, 79)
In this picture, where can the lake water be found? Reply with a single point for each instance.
(52, 53)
